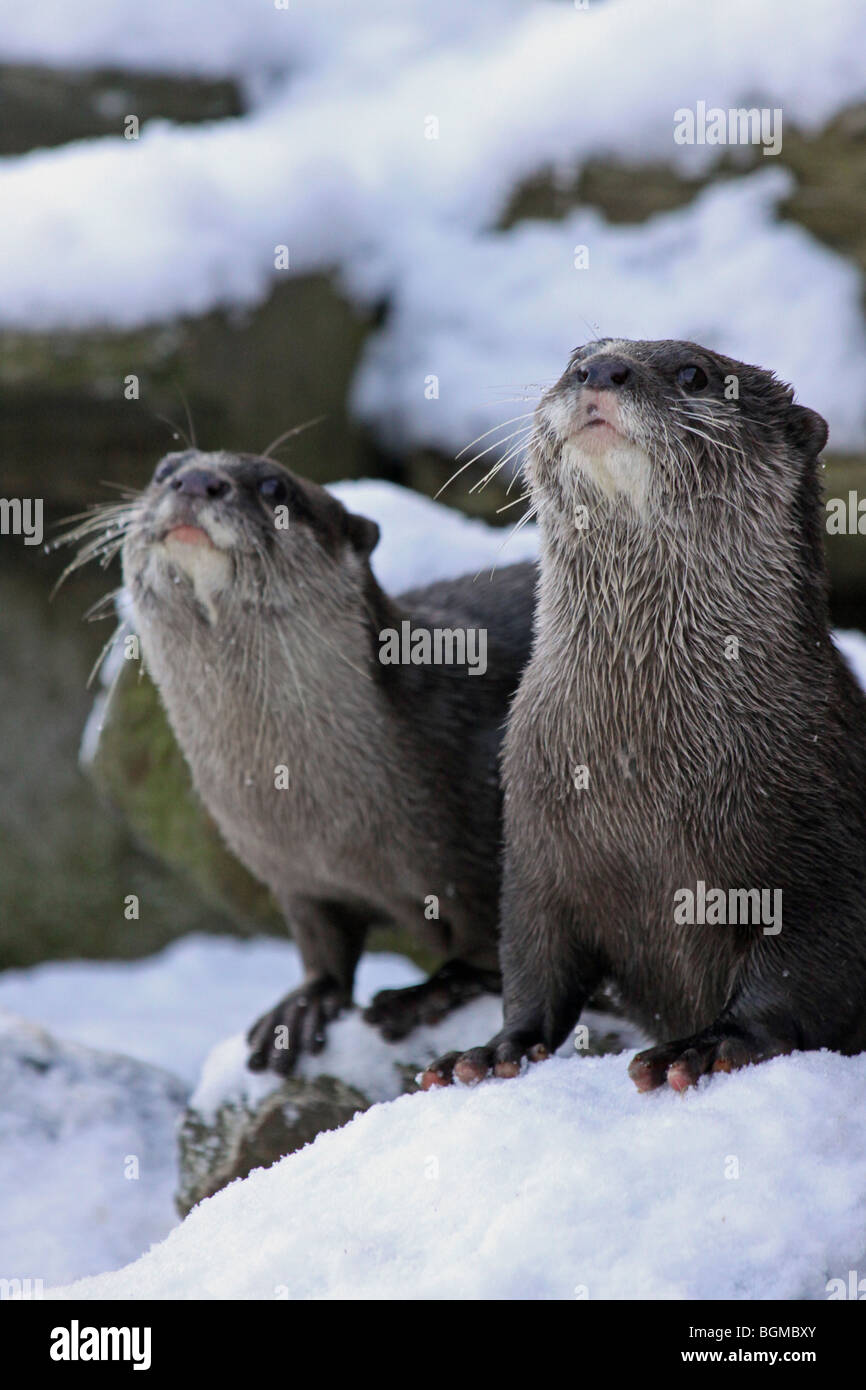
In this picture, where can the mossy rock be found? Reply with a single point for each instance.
(246, 377)
(243, 1136)
(45, 106)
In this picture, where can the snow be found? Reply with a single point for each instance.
(358, 1055)
(634, 1186)
(495, 318)
(169, 1009)
(423, 540)
(852, 645)
(563, 1184)
(332, 160)
(87, 1161)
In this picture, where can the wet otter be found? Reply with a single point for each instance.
(685, 733)
(359, 791)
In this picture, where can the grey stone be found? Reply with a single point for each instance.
(244, 1135)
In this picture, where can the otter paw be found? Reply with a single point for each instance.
(502, 1057)
(681, 1065)
(297, 1024)
(396, 1012)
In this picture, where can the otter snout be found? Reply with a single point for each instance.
(200, 482)
(185, 496)
(604, 373)
(592, 411)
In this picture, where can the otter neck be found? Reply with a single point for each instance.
(275, 684)
(676, 628)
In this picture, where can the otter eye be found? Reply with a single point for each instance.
(165, 469)
(273, 489)
(692, 377)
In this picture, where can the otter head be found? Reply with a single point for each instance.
(221, 534)
(652, 428)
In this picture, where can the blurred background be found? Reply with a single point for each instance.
(400, 217)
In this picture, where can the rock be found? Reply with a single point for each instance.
(299, 349)
(241, 1137)
(44, 106)
(239, 1120)
(87, 1155)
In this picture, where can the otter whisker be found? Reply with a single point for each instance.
(524, 497)
(524, 430)
(185, 404)
(176, 431)
(529, 514)
(115, 637)
(94, 613)
(525, 416)
(500, 464)
(130, 492)
(290, 434)
(100, 549)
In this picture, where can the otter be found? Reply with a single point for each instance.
(684, 767)
(360, 790)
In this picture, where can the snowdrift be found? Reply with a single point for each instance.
(564, 1183)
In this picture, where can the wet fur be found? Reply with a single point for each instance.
(743, 773)
(265, 653)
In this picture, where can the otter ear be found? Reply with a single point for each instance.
(807, 430)
(362, 532)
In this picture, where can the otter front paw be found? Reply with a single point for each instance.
(682, 1064)
(396, 1012)
(502, 1056)
(297, 1024)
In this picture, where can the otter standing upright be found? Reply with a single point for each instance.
(685, 732)
(358, 791)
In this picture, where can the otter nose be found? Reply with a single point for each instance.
(200, 482)
(604, 374)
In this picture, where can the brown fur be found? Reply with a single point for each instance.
(704, 523)
(264, 644)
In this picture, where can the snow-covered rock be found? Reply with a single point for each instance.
(387, 143)
(565, 1183)
(87, 1167)
(238, 1120)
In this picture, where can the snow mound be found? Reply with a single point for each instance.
(563, 1184)
(87, 1165)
